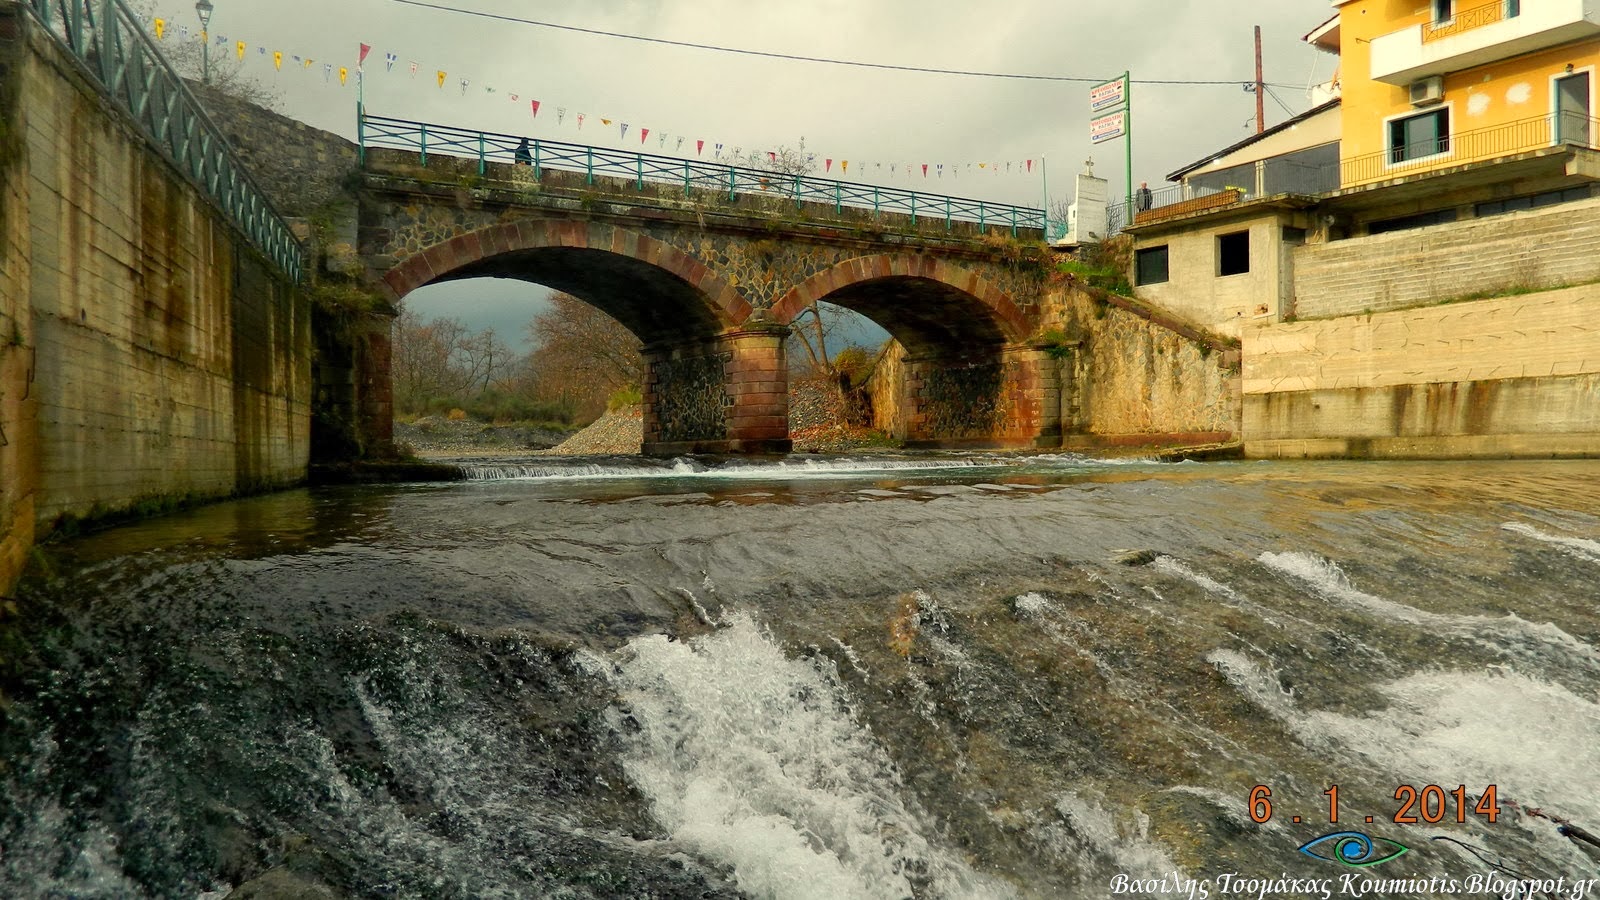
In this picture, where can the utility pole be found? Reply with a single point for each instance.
(1261, 89)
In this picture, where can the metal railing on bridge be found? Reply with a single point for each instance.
(382, 132)
(112, 44)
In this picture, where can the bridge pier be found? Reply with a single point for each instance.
(726, 395)
(1008, 398)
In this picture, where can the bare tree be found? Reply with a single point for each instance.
(584, 350)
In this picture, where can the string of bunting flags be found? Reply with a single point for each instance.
(161, 28)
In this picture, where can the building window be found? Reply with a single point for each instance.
(1150, 265)
(1233, 253)
(1406, 223)
(1535, 201)
(1419, 136)
(1513, 8)
(1443, 11)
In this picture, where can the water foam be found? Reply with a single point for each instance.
(755, 760)
(1528, 641)
(1538, 741)
(781, 470)
(1582, 548)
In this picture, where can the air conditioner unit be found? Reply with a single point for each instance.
(1428, 91)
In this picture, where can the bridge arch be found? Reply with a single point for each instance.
(930, 306)
(659, 292)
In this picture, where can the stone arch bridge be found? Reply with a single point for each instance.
(711, 282)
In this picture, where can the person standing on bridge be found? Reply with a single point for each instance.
(524, 155)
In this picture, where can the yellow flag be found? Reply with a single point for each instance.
(441, 78)
(844, 165)
(309, 61)
(343, 73)
(240, 47)
(161, 29)
(277, 60)
(605, 121)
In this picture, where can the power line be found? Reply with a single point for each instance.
(1274, 95)
(812, 59)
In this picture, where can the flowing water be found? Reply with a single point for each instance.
(908, 677)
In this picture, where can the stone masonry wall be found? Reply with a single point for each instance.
(1518, 251)
(1137, 378)
(303, 170)
(167, 358)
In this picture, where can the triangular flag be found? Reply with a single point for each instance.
(717, 153)
(624, 128)
(580, 121)
(891, 168)
(161, 29)
(464, 83)
(327, 71)
(487, 89)
(309, 62)
(561, 112)
(699, 148)
(361, 58)
(643, 133)
(679, 147)
(983, 165)
(661, 140)
(261, 51)
(240, 47)
(441, 79)
(1030, 165)
(605, 121)
(827, 165)
(772, 155)
(413, 68)
(534, 106)
(183, 32)
(844, 165)
(222, 40)
(924, 170)
(277, 60)
(389, 59)
(344, 73)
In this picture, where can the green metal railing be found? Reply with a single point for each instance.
(110, 40)
(732, 181)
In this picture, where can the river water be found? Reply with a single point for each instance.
(928, 677)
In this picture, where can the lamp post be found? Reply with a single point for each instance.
(203, 9)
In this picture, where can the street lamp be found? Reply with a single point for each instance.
(203, 9)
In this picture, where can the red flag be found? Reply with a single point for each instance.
(772, 155)
(1030, 165)
(699, 147)
(924, 170)
(827, 165)
(643, 133)
(362, 59)
(534, 105)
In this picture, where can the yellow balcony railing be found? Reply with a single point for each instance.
(1466, 20)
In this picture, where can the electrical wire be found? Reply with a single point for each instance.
(1274, 95)
(812, 59)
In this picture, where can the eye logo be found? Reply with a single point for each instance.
(1353, 849)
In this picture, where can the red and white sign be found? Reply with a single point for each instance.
(1108, 95)
(1108, 128)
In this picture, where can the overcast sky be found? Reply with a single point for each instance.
(873, 118)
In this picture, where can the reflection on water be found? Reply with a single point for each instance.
(879, 677)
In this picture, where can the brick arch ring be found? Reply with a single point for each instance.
(1010, 319)
(722, 300)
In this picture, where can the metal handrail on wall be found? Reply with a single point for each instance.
(1480, 145)
(111, 43)
(381, 132)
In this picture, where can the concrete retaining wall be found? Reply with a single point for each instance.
(1541, 248)
(1514, 376)
(156, 355)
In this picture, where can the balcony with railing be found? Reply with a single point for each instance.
(1482, 32)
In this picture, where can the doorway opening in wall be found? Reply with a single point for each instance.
(1233, 253)
(1443, 11)
(1573, 122)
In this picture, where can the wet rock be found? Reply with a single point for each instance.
(1135, 557)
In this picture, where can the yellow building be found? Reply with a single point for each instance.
(1437, 84)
